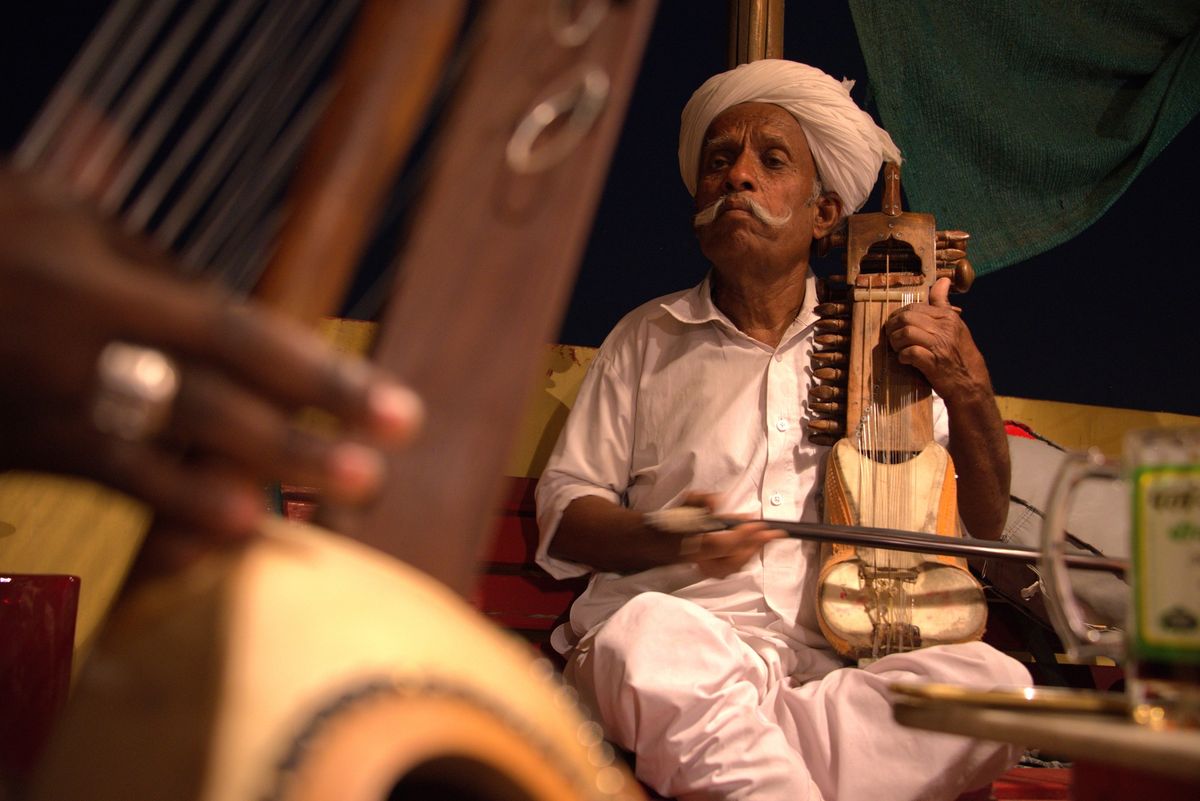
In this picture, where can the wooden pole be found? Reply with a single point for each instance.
(755, 30)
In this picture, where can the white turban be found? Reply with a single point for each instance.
(847, 146)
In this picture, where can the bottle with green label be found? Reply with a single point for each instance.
(1163, 661)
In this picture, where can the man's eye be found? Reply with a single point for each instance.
(718, 163)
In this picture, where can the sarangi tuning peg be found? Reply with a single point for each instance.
(960, 273)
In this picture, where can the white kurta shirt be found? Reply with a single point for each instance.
(679, 400)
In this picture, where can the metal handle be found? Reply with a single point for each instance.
(572, 30)
(580, 105)
(1081, 641)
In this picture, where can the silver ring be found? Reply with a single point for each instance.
(136, 388)
(577, 108)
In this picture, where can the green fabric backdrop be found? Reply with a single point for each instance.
(1022, 121)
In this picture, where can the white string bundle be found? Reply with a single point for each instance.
(886, 502)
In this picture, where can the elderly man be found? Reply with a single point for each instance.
(704, 657)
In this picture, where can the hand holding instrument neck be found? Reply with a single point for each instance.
(885, 470)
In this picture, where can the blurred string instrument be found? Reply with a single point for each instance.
(885, 469)
(307, 665)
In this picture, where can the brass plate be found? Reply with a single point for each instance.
(1043, 699)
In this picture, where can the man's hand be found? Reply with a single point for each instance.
(721, 553)
(70, 285)
(724, 552)
(933, 338)
(598, 533)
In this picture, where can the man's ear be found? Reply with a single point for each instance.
(829, 214)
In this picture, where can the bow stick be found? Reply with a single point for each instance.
(692, 520)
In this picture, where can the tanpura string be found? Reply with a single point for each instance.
(239, 223)
(245, 141)
(76, 135)
(170, 110)
(257, 178)
(215, 110)
(192, 131)
(138, 98)
(98, 74)
(72, 86)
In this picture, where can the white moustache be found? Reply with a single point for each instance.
(709, 213)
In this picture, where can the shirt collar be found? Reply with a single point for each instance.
(696, 307)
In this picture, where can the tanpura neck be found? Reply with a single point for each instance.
(761, 309)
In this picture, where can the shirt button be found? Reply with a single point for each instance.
(776, 499)
(781, 424)
(778, 357)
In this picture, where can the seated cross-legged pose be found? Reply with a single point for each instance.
(703, 655)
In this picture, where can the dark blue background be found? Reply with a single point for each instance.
(1106, 319)
(1109, 318)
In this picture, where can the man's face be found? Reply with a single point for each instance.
(757, 152)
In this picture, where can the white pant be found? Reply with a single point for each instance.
(711, 712)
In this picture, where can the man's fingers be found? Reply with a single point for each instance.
(929, 315)
(293, 365)
(725, 552)
(904, 336)
(286, 363)
(916, 356)
(216, 417)
(201, 496)
(939, 293)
